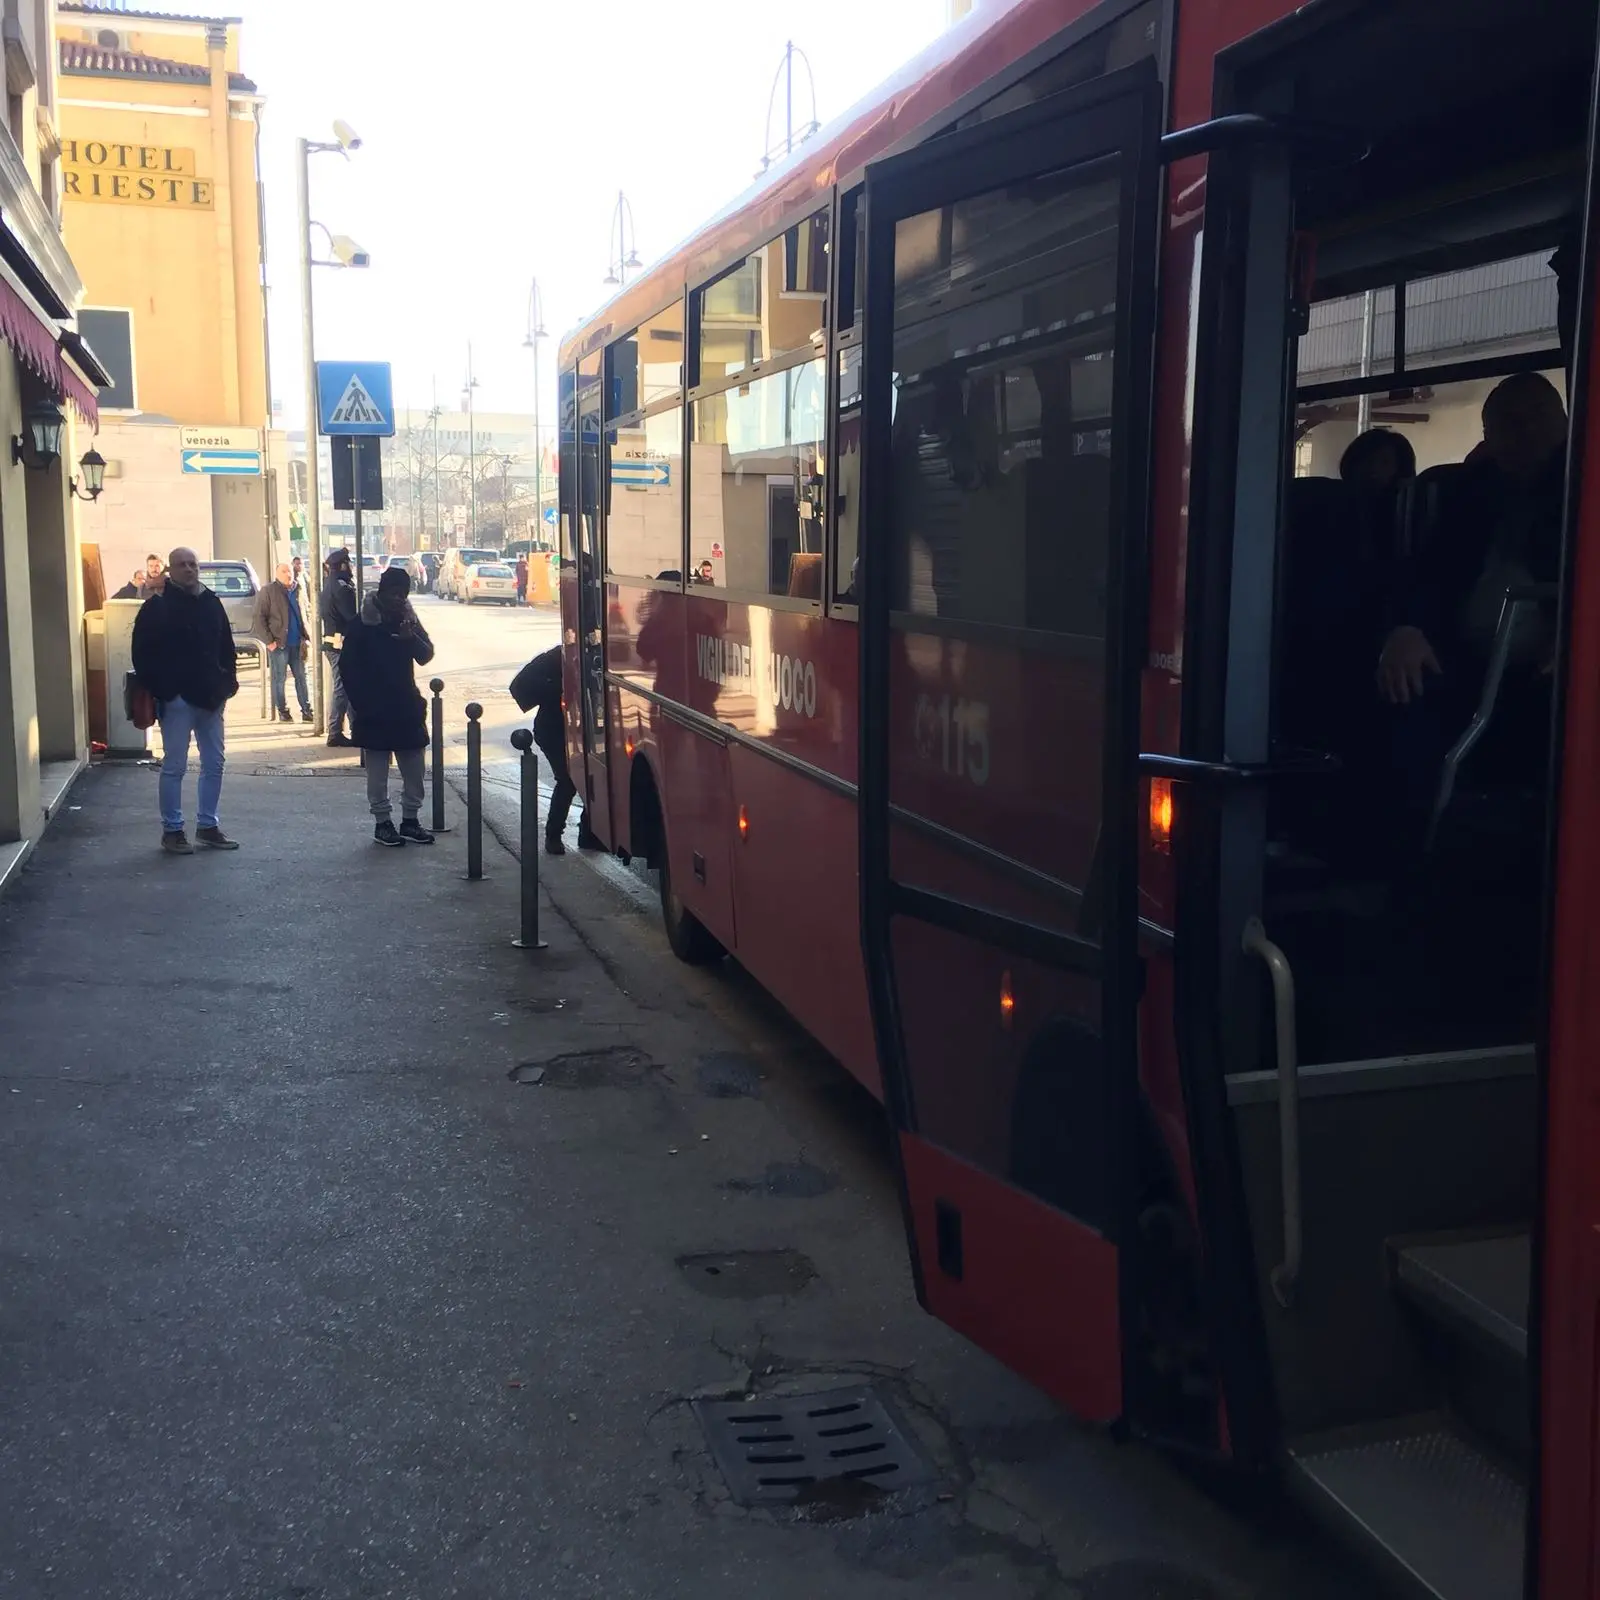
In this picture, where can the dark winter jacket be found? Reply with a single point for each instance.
(375, 665)
(183, 648)
(539, 684)
(338, 605)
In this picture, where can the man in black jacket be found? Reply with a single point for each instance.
(386, 710)
(338, 606)
(183, 653)
(539, 684)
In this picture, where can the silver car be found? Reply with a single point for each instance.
(236, 585)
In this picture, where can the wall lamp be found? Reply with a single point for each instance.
(93, 467)
(38, 446)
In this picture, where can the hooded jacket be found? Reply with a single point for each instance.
(387, 711)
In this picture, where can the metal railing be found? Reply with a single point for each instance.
(1286, 1274)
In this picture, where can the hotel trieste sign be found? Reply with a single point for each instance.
(133, 175)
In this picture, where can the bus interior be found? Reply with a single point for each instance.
(1400, 877)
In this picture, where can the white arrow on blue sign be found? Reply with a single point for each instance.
(223, 463)
(641, 474)
(550, 515)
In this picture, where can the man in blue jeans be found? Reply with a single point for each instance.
(280, 626)
(183, 654)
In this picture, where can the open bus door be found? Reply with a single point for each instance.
(1007, 368)
(593, 694)
(1566, 1503)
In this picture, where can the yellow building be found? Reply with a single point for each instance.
(160, 203)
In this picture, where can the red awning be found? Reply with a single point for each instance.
(36, 348)
(80, 393)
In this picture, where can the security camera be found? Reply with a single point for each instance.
(348, 253)
(347, 136)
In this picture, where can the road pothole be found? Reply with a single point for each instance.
(616, 1067)
(787, 1180)
(747, 1274)
(726, 1075)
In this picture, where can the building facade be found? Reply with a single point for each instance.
(160, 197)
(48, 382)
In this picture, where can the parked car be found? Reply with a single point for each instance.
(491, 581)
(451, 582)
(235, 584)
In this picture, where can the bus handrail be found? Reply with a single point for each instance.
(1516, 597)
(1286, 1274)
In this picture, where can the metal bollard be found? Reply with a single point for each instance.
(474, 793)
(529, 938)
(437, 713)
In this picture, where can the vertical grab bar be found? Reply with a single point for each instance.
(1286, 1274)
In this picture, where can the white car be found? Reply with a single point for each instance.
(490, 581)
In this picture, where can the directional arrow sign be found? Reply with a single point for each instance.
(628, 474)
(223, 463)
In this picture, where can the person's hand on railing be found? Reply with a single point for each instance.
(1406, 655)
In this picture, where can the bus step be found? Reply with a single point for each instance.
(1445, 1517)
(1469, 1293)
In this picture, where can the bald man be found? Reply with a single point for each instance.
(183, 653)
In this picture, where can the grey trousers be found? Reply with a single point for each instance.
(410, 763)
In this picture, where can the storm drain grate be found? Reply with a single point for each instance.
(774, 1449)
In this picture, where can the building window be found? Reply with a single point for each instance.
(110, 335)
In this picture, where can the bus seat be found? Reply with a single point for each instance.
(805, 575)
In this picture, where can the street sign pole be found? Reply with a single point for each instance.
(355, 505)
(313, 507)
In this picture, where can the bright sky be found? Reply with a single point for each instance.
(496, 134)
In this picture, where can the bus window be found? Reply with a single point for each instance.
(847, 480)
(1002, 431)
(772, 304)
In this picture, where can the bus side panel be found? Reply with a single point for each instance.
(698, 813)
(644, 647)
(1065, 1332)
(796, 885)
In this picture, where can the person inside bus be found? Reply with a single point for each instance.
(1378, 462)
(1497, 523)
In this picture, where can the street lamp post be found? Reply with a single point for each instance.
(623, 231)
(472, 446)
(531, 342)
(345, 253)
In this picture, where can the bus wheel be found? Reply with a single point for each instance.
(691, 940)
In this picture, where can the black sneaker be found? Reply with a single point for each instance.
(337, 741)
(413, 832)
(588, 840)
(553, 845)
(284, 716)
(385, 833)
(305, 716)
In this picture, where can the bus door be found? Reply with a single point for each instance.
(1007, 368)
(592, 600)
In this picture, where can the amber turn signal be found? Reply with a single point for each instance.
(744, 823)
(1008, 1000)
(1161, 815)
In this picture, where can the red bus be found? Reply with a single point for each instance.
(984, 546)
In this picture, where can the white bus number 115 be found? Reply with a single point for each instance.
(955, 733)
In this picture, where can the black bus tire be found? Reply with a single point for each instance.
(692, 942)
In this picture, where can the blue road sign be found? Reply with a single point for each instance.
(223, 463)
(550, 515)
(354, 398)
(629, 474)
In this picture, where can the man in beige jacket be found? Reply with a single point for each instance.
(280, 626)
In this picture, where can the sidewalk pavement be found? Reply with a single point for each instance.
(306, 1294)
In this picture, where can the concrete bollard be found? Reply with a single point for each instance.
(474, 792)
(437, 751)
(528, 939)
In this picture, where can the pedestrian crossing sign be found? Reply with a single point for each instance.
(355, 398)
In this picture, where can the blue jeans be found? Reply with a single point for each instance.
(282, 661)
(179, 720)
